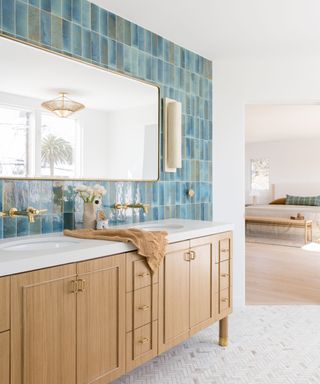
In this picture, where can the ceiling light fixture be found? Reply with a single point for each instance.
(62, 106)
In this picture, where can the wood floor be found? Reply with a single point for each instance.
(281, 275)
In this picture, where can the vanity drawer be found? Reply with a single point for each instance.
(224, 275)
(141, 345)
(139, 274)
(224, 251)
(142, 307)
(4, 303)
(224, 300)
(4, 357)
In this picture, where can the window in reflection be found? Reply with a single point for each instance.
(15, 126)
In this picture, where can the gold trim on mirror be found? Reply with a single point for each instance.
(88, 63)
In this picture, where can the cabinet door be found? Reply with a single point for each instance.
(4, 358)
(101, 320)
(43, 332)
(4, 303)
(201, 284)
(174, 296)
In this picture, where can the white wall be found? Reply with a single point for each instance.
(238, 82)
(290, 161)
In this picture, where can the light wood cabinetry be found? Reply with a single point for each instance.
(4, 303)
(101, 320)
(68, 323)
(195, 287)
(92, 321)
(43, 332)
(4, 357)
(141, 311)
(174, 303)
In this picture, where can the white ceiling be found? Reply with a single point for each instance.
(228, 28)
(32, 72)
(282, 122)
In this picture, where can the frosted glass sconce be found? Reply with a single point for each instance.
(172, 135)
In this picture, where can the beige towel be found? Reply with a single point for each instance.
(151, 245)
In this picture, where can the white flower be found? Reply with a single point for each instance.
(81, 188)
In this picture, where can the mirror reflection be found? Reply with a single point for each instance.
(60, 118)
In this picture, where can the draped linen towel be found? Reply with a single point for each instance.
(151, 245)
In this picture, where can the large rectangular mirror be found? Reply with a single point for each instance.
(112, 134)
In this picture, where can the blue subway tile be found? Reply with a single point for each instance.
(76, 40)
(21, 19)
(86, 14)
(67, 9)
(9, 227)
(66, 36)
(112, 53)
(8, 12)
(45, 28)
(76, 11)
(95, 45)
(46, 5)
(22, 226)
(112, 26)
(95, 18)
(56, 7)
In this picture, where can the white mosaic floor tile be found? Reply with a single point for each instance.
(267, 345)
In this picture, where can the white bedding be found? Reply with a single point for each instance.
(285, 211)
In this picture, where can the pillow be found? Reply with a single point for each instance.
(281, 201)
(303, 200)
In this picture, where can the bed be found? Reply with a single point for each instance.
(285, 211)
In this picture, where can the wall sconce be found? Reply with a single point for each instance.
(172, 135)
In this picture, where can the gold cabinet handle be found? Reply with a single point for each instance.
(144, 340)
(81, 285)
(192, 255)
(74, 286)
(224, 275)
(187, 256)
(143, 274)
(144, 307)
(224, 250)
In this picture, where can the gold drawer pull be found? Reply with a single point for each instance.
(144, 307)
(143, 274)
(225, 300)
(224, 250)
(74, 286)
(192, 255)
(224, 275)
(81, 285)
(187, 256)
(145, 340)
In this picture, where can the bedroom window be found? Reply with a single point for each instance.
(260, 174)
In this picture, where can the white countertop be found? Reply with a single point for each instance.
(17, 261)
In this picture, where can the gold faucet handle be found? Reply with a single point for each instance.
(2, 214)
(146, 208)
(12, 212)
(34, 211)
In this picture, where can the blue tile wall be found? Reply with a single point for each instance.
(83, 30)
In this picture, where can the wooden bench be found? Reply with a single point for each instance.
(283, 222)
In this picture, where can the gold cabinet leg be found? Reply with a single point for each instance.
(223, 332)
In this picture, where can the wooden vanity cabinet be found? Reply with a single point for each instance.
(190, 287)
(101, 320)
(43, 332)
(141, 311)
(93, 321)
(4, 330)
(68, 323)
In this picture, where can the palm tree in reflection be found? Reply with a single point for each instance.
(55, 150)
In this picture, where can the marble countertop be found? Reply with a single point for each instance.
(14, 261)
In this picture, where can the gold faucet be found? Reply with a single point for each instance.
(145, 207)
(30, 212)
